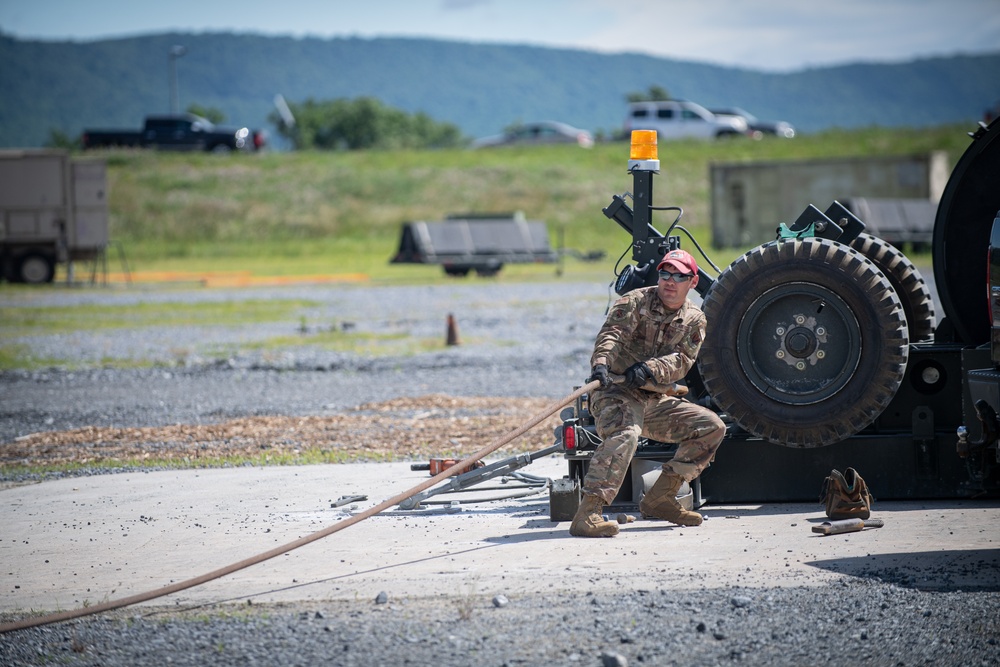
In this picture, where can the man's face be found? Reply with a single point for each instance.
(672, 294)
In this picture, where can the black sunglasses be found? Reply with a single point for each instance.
(676, 277)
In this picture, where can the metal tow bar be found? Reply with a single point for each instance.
(479, 475)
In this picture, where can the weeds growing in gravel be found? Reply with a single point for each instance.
(35, 320)
(466, 601)
(19, 356)
(304, 457)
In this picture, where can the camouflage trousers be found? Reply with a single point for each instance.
(621, 415)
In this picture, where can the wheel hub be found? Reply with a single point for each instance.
(799, 343)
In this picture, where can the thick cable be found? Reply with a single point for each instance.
(320, 534)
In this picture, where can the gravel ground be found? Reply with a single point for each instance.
(518, 340)
(858, 622)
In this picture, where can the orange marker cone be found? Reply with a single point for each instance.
(452, 331)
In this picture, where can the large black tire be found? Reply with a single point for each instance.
(807, 342)
(910, 287)
(969, 204)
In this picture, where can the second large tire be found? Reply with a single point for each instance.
(807, 342)
(905, 278)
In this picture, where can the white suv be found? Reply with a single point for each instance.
(677, 119)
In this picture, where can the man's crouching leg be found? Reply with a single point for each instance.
(589, 520)
(704, 434)
(661, 501)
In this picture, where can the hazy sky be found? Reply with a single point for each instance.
(776, 35)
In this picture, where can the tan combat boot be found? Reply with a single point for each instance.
(589, 522)
(661, 501)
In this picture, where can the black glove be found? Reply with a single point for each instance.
(600, 372)
(637, 375)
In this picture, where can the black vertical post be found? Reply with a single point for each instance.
(643, 246)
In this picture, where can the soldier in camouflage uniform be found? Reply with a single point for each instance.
(651, 337)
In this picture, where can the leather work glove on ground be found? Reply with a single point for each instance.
(600, 372)
(846, 495)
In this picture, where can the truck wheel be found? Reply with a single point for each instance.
(906, 281)
(457, 271)
(36, 268)
(807, 342)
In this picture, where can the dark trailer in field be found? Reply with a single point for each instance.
(479, 242)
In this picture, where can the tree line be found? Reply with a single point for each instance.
(359, 124)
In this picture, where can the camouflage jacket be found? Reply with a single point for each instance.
(639, 328)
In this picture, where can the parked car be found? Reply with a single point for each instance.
(680, 119)
(543, 132)
(184, 132)
(758, 127)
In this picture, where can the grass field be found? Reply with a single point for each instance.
(312, 213)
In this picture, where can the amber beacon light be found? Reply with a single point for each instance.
(643, 152)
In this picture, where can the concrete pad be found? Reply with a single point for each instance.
(73, 542)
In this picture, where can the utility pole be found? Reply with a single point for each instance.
(176, 52)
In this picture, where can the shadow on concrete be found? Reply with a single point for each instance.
(975, 570)
(878, 508)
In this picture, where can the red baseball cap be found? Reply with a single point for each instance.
(680, 261)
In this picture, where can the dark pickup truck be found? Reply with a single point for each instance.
(185, 132)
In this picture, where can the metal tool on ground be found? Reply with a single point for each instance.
(438, 464)
(347, 500)
(302, 541)
(846, 526)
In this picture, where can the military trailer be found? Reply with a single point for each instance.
(824, 352)
(475, 242)
(53, 209)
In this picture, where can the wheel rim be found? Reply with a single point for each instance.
(799, 344)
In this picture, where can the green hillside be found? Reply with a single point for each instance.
(339, 212)
(481, 88)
